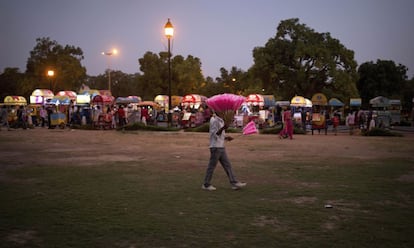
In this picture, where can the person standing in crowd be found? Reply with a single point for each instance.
(218, 153)
(335, 123)
(287, 124)
(96, 115)
(43, 115)
(121, 116)
(49, 111)
(21, 117)
(144, 115)
(4, 117)
(350, 122)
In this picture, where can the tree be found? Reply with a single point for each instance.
(152, 82)
(186, 75)
(300, 61)
(383, 78)
(65, 61)
(407, 95)
(11, 83)
(234, 81)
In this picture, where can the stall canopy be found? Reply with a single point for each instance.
(255, 100)
(128, 100)
(300, 101)
(60, 100)
(103, 100)
(83, 99)
(15, 100)
(283, 103)
(41, 96)
(91, 92)
(193, 100)
(71, 94)
(379, 101)
(355, 102)
(149, 103)
(269, 100)
(162, 100)
(319, 99)
(335, 102)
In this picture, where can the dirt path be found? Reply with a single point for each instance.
(81, 147)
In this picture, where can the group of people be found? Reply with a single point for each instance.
(111, 116)
(21, 117)
(359, 120)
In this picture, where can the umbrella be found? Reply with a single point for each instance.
(149, 103)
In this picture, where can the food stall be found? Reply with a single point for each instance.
(162, 100)
(60, 113)
(193, 107)
(336, 106)
(260, 108)
(319, 113)
(301, 108)
(11, 102)
(71, 94)
(102, 119)
(41, 96)
(193, 101)
(128, 100)
(381, 114)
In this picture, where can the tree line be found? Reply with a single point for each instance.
(296, 61)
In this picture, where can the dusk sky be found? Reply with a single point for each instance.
(222, 33)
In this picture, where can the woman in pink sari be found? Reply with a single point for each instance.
(287, 125)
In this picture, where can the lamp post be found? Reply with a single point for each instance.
(50, 74)
(113, 52)
(169, 32)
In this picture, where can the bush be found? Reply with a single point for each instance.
(206, 127)
(140, 126)
(277, 129)
(203, 128)
(380, 132)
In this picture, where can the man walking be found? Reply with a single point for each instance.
(218, 153)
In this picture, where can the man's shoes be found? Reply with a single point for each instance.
(238, 185)
(209, 188)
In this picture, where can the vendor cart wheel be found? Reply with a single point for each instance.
(62, 125)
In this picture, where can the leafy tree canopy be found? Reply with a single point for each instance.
(300, 61)
(383, 78)
(186, 75)
(64, 61)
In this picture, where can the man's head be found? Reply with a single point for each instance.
(219, 114)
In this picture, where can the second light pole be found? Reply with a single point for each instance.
(169, 32)
(113, 52)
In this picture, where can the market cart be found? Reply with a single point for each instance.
(58, 119)
(319, 113)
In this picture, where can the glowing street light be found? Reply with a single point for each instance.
(50, 74)
(113, 52)
(169, 33)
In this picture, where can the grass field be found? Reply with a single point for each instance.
(159, 203)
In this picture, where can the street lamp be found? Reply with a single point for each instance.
(50, 74)
(113, 52)
(169, 32)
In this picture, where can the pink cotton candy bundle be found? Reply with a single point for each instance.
(226, 104)
(250, 128)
